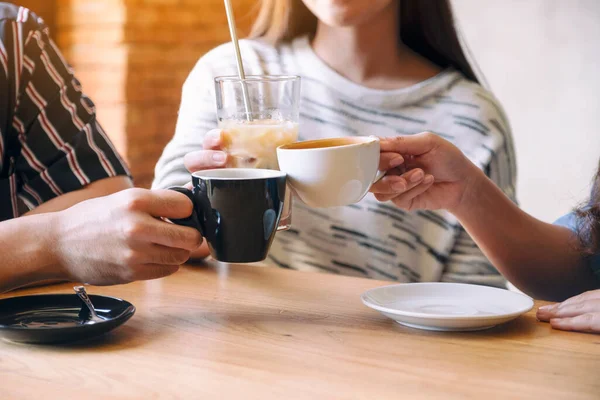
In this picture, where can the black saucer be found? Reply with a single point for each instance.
(59, 318)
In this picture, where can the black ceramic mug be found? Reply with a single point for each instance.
(237, 210)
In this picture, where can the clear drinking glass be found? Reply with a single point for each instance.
(256, 115)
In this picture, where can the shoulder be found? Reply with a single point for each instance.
(18, 25)
(23, 16)
(9, 11)
(476, 99)
(475, 120)
(569, 221)
(574, 223)
(475, 112)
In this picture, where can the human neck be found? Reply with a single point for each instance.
(370, 53)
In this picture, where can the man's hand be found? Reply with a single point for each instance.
(121, 238)
(211, 156)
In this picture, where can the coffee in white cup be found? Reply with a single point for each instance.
(331, 172)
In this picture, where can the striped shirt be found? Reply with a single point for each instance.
(50, 140)
(368, 239)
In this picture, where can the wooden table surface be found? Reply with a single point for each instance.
(250, 332)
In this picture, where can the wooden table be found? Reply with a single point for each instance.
(250, 332)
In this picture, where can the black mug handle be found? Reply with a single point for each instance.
(192, 221)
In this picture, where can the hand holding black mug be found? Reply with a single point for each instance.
(236, 210)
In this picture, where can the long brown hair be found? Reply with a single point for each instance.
(426, 26)
(588, 215)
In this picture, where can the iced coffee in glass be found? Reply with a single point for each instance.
(256, 115)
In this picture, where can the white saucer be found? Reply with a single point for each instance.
(447, 306)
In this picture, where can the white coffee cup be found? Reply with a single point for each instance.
(331, 172)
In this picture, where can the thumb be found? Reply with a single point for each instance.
(169, 204)
(414, 145)
(213, 140)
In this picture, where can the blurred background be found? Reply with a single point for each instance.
(540, 58)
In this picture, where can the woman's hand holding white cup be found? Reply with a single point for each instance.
(341, 171)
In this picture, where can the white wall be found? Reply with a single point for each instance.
(542, 60)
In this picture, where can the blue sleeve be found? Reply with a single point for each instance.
(570, 221)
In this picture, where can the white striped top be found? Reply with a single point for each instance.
(368, 239)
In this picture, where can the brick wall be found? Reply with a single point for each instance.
(132, 57)
(91, 35)
(165, 39)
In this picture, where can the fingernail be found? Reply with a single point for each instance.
(215, 140)
(399, 186)
(417, 176)
(546, 308)
(219, 157)
(396, 161)
(428, 179)
(556, 322)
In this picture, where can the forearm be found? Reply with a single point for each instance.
(26, 252)
(100, 188)
(539, 258)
